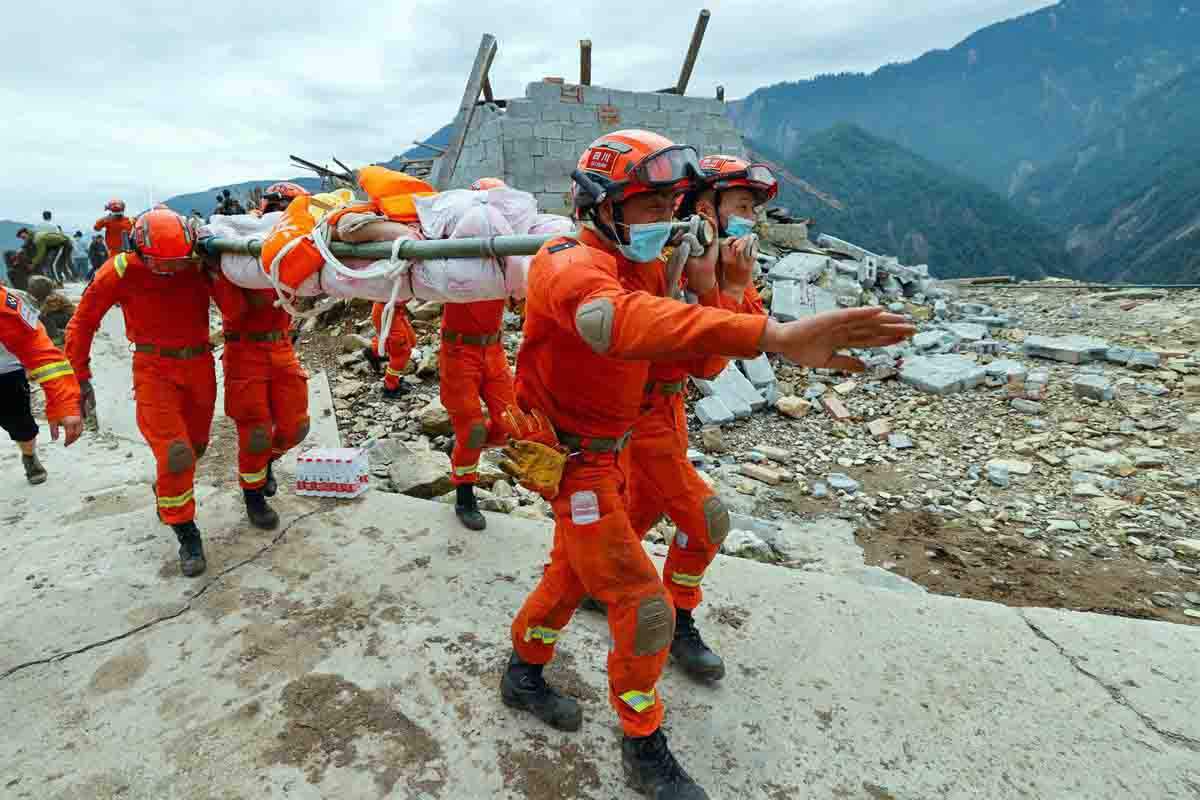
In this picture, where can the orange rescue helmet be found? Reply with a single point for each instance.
(115, 206)
(483, 184)
(623, 164)
(730, 172)
(165, 240)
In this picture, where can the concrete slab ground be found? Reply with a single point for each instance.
(357, 651)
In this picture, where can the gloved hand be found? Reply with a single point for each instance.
(87, 404)
(533, 456)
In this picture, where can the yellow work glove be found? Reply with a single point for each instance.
(536, 466)
(533, 457)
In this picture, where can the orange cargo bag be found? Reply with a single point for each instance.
(393, 192)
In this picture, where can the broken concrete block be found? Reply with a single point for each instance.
(800, 267)
(794, 407)
(835, 408)
(732, 384)
(759, 371)
(1094, 387)
(984, 347)
(974, 309)
(777, 454)
(1004, 369)
(989, 321)
(891, 287)
(867, 273)
(1026, 406)
(968, 331)
(880, 428)
(941, 310)
(711, 411)
(942, 374)
(839, 246)
(1068, 349)
(927, 340)
(761, 473)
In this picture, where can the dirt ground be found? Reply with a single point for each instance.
(963, 561)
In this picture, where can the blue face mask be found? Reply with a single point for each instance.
(646, 242)
(738, 227)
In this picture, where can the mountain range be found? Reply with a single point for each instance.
(1060, 142)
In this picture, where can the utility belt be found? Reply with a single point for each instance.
(665, 389)
(257, 338)
(583, 444)
(475, 340)
(173, 352)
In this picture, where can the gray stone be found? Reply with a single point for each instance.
(843, 483)
(1187, 549)
(347, 389)
(927, 340)
(942, 374)
(1145, 457)
(712, 411)
(840, 246)
(435, 419)
(1089, 460)
(1094, 387)
(1153, 389)
(820, 490)
(998, 475)
(745, 544)
(967, 331)
(989, 321)
(1134, 294)
(815, 391)
(899, 441)
(732, 386)
(940, 309)
(420, 473)
(1068, 349)
(1152, 552)
(800, 267)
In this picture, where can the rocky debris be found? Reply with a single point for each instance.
(420, 472)
(1068, 349)
(794, 407)
(435, 419)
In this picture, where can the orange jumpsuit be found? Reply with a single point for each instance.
(473, 364)
(266, 389)
(591, 331)
(174, 377)
(399, 346)
(115, 230)
(663, 481)
(22, 336)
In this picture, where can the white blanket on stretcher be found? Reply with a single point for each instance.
(459, 214)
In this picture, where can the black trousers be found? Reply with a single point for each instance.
(16, 414)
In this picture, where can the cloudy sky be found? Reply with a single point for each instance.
(140, 99)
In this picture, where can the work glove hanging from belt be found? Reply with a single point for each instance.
(533, 456)
(87, 405)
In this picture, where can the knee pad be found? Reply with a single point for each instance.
(302, 432)
(180, 457)
(478, 435)
(716, 520)
(655, 626)
(200, 449)
(260, 440)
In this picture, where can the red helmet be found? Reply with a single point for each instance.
(165, 240)
(115, 206)
(278, 196)
(483, 184)
(730, 172)
(623, 164)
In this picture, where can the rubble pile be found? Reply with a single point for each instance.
(1058, 426)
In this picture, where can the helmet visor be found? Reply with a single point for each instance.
(755, 176)
(170, 266)
(668, 167)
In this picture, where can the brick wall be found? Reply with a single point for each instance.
(536, 141)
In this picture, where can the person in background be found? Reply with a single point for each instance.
(45, 249)
(27, 354)
(54, 309)
(48, 223)
(79, 257)
(16, 264)
(116, 227)
(97, 255)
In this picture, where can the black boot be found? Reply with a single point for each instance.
(261, 515)
(468, 509)
(651, 769)
(524, 688)
(191, 549)
(691, 652)
(589, 603)
(270, 487)
(35, 473)
(395, 395)
(374, 359)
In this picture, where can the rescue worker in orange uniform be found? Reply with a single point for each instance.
(116, 227)
(266, 390)
(661, 478)
(592, 329)
(27, 354)
(473, 365)
(164, 296)
(400, 342)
